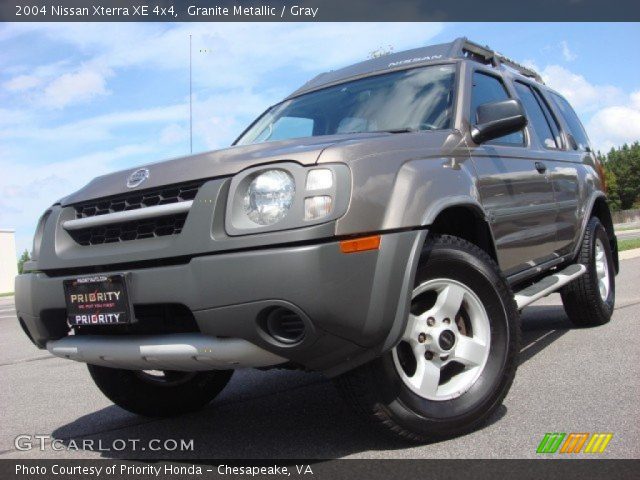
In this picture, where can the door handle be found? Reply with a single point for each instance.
(541, 167)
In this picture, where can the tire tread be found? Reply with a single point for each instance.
(580, 298)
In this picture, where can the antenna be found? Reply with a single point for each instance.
(190, 101)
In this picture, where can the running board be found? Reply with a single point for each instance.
(548, 285)
(189, 352)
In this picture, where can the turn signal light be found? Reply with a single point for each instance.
(360, 244)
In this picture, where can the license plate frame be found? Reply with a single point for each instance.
(98, 300)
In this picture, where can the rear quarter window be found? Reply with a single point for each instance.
(539, 119)
(576, 129)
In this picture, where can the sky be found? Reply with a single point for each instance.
(79, 100)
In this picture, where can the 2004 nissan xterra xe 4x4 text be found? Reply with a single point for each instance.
(384, 225)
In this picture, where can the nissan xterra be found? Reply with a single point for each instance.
(384, 225)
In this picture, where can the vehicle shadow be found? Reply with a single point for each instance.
(541, 326)
(273, 414)
(275, 421)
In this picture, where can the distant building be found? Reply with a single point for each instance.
(8, 263)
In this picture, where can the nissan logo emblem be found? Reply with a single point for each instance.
(137, 177)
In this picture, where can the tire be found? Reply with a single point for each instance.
(165, 394)
(385, 392)
(582, 299)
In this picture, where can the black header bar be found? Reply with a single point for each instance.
(318, 10)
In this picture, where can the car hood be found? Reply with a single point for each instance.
(218, 163)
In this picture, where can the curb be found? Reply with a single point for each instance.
(628, 254)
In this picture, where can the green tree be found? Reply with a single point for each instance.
(24, 258)
(612, 190)
(622, 166)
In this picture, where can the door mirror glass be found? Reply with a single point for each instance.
(497, 119)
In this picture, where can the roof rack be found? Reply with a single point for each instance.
(464, 48)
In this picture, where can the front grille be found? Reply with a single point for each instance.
(152, 197)
(125, 231)
(161, 226)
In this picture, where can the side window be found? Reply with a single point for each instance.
(551, 118)
(573, 122)
(536, 115)
(486, 89)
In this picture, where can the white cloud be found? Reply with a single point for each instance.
(72, 88)
(611, 117)
(89, 129)
(615, 125)
(567, 54)
(583, 95)
(174, 133)
(22, 82)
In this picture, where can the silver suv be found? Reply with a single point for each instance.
(384, 225)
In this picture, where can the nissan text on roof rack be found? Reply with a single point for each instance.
(383, 225)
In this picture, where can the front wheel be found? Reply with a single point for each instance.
(159, 393)
(457, 357)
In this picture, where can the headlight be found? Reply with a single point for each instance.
(285, 196)
(269, 197)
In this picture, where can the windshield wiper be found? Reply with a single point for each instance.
(399, 130)
(389, 130)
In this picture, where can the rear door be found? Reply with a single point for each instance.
(514, 186)
(571, 175)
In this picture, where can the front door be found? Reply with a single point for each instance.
(515, 188)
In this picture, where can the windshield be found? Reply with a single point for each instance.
(408, 100)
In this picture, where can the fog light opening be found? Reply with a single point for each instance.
(284, 325)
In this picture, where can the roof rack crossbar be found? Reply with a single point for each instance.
(462, 47)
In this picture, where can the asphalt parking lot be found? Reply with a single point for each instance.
(569, 380)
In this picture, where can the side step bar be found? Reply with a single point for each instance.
(548, 285)
(189, 352)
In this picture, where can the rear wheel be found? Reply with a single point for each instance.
(589, 300)
(159, 393)
(457, 357)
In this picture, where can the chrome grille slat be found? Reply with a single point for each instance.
(136, 215)
(127, 216)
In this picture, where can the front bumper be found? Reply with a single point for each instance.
(353, 305)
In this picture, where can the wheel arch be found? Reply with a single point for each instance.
(468, 221)
(600, 209)
(448, 219)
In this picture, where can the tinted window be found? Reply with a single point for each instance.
(289, 127)
(537, 119)
(573, 122)
(551, 118)
(488, 89)
(416, 99)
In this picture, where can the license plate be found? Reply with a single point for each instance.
(98, 300)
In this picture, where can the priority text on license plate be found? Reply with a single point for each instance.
(97, 300)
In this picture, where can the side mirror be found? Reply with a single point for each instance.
(498, 119)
